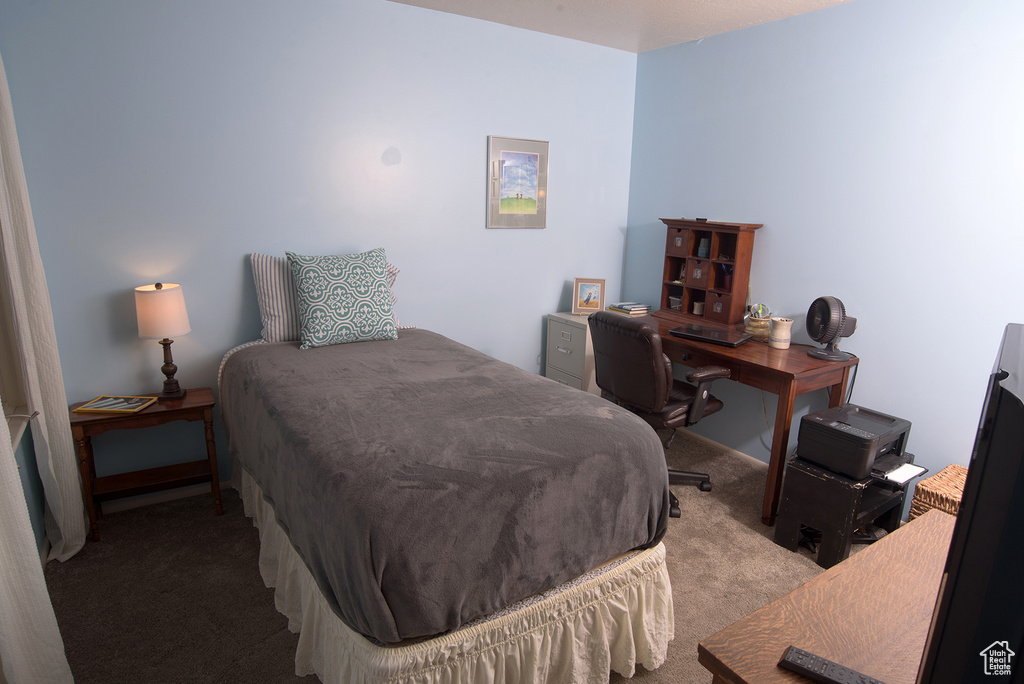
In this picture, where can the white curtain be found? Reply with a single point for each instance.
(44, 387)
(31, 649)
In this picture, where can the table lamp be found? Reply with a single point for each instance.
(160, 309)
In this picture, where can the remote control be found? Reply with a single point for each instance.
(821, 670)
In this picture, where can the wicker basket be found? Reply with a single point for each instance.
(942, 490)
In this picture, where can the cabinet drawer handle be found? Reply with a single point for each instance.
(564, 350)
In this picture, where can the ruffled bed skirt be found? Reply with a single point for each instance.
(612, 618)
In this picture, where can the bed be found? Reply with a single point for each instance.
(430, 514)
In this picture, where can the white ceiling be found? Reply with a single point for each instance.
(632, 25)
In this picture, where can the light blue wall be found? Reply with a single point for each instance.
(166, 141)
(881, 144)
(24, 456)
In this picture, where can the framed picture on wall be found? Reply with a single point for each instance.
(517, 183)
(587, 295)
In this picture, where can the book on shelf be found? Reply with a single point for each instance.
(115, 404)
(630, 308)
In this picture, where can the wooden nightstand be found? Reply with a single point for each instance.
(196, 405)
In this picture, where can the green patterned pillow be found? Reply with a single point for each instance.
(343, 298)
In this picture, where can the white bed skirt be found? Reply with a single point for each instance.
(609, 619)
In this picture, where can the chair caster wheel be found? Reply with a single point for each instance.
(705, 486)
(674, 512)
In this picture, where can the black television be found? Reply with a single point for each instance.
(977, 630)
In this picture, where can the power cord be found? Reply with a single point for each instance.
(767, 423)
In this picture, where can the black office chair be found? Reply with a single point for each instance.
(633, 372)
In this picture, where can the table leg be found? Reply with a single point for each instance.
(97, 504)
(777, 463)
(837, 392)
(780, 441)
(83, 448)
(211, 454)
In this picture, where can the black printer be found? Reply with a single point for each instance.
(848, 439)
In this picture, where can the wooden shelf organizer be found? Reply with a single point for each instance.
(708, 263)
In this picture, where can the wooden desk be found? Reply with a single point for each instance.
(870, 613)
(784, 372)
(196, 405)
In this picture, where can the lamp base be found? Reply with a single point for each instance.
(172, 390)
(171, 396)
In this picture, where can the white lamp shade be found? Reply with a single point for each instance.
(160, 309)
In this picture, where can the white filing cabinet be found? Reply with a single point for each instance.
(570, 355)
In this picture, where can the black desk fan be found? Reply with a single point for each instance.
(826, 323)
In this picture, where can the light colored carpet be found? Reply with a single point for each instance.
(722, 560)
(173, 594)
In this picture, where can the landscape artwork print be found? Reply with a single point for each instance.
(519, 182)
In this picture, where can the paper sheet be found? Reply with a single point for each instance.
(905, 473)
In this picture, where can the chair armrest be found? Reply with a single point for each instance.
(708, 373)
(702, 377)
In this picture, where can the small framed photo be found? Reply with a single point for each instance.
(587, 295)
(517, 183)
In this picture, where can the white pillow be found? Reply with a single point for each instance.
(275, 293)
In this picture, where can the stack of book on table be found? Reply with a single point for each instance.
(630, 308)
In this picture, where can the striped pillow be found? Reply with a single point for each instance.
(275, 293)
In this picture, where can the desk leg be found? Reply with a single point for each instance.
(837, 392)
(211, 454)
(780, 442)
(83, 448)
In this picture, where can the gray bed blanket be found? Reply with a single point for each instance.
(426, 484)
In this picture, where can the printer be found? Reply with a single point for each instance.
(849, 439)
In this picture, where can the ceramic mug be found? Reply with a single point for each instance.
(781, 334)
